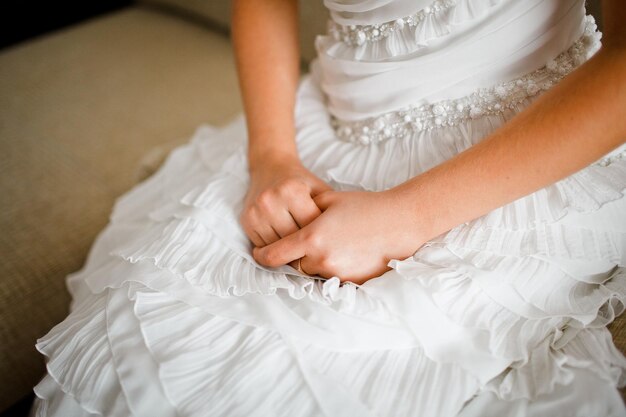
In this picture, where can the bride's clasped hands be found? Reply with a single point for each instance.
(354, 238)
(291, 214)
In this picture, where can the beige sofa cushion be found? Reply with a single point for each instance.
(313, 17)
(79, 109)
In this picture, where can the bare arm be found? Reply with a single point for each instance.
(265, 39)
(279, 199)
(567, 128)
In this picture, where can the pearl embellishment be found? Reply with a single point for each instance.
(486, 101)
(357, 35)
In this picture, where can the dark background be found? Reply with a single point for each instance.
(20, 20)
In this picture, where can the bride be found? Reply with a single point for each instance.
(430, 222)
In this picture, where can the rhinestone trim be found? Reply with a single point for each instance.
(357, 35)
(487, 101)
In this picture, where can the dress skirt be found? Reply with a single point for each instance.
(503, 315)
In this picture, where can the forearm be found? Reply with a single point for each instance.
(570, 126)
(265, 40)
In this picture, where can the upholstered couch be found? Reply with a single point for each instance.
(85, 113)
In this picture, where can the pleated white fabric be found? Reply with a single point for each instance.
(502, 316)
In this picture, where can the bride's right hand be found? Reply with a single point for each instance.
(279, 200)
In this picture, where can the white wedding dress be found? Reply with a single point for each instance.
(502, 316)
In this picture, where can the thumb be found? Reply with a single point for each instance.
(282, 251)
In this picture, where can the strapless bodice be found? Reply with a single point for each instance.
(412, 56)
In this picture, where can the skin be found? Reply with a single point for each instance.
(356, 233)
(279, 200)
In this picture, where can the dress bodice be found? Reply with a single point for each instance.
(428, 62)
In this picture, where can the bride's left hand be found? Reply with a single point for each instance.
(354, 238)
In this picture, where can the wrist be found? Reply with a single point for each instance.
(261, 161)
(417, 209)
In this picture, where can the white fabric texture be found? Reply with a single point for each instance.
(502, 316)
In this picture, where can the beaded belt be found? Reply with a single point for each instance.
(356, 35)
(486, 101)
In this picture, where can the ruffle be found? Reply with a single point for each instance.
(592, 349)
(77, 349)
(192, 348)
(405, 39)
(203, 356)
(190, 249)
(397, 382)
(552, 240)
(369, 384)
(51, 400)
(200, 358)
(593, 397)
(130, 352)
(194, 339)
(532, 311)
(334, 327)
(504, 294)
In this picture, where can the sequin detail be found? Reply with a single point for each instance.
(487, 101)
(356, 35)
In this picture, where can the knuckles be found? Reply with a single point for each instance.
(286, 189)
(265, 199)
(290, 187)
(293, 187)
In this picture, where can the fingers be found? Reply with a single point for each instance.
(324, 199)
(281, 252)
(284, 224)
(273, 226)
(255, 238)
(280, 211)
(303, 210)
(251, 224)
(267, 220)
(267, 233)
(320, 187)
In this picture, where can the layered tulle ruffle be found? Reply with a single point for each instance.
(405, 38)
